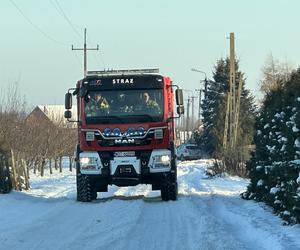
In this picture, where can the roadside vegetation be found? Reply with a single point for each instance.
(27, 143)
(275, 164)
(268, 149)
(210, 139)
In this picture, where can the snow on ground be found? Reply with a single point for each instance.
(208, 214)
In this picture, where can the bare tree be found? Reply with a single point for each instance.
(12, 113)
(37, 140)
(274, 74)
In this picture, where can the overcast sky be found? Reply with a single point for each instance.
(175, 36)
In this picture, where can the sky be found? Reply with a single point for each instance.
(174, 36)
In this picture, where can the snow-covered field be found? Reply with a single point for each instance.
(207, 215)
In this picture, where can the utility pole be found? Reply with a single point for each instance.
(85, 53)
(205, 80)
(230, 122)
(182, 128)
(205, 87)
(181, 120)
(193, 107)
(232, 84)
(187, 119)
(237, 109)
(199, 108)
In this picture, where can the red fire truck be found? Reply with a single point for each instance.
(125, 131)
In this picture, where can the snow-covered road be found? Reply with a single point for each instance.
(207, 215)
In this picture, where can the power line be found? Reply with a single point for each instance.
(95, 57)
(35, 26)
(60, 10)
(78, 59)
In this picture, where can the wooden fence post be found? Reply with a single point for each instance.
(26, 176)
(13, 171)
(19, 171)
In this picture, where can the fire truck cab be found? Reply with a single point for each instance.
(125, 131)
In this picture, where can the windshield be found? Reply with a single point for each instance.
(124, 106)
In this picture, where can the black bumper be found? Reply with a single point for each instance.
(155, 179)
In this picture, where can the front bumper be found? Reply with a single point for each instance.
(155, 179)
(144, 168)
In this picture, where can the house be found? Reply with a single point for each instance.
(53, 114)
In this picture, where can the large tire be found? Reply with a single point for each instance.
(85, 191)
(85, 187)
(164, 193)
(173, 191)
(169, 190)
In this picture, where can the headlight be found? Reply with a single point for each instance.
(162, 161)
(84, 160)
(89, 163)
(165, 159)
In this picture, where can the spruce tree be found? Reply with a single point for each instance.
(275, 165)
(214, 110)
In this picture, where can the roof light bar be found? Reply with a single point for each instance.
(122, 72)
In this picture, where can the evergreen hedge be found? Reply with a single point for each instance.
(275, 164)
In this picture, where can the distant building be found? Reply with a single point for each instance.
(53, 114)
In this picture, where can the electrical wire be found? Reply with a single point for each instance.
(35, 26)
(60, 10)
(96, 58)
(77, 59)
(42, 32)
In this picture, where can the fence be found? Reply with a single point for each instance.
(13, 172)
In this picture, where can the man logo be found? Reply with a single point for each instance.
(124, 141)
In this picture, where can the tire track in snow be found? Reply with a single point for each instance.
(250, 217)
(169, 225)
(207, 215)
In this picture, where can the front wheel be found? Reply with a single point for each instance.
(169, 190)
(85, 191)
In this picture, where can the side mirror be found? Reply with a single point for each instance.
(68, 114)
(180, 110)
(179, 97)
(68, 101)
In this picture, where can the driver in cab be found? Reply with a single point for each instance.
(148, 103)
(97, 105)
